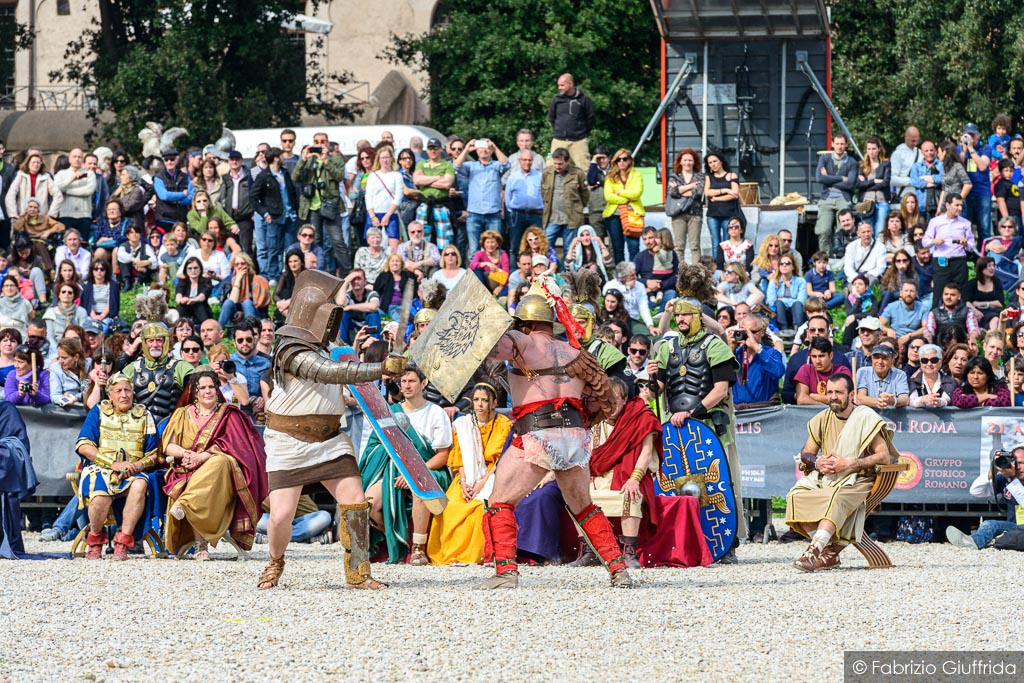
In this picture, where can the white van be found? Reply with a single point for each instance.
(246, 141)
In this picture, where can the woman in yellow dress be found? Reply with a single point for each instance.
(216, 470)
(456, 536)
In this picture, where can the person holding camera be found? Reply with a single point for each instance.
(233, 385)
(29, 383)
(320, 204)
(1004, 478)
(977, 157)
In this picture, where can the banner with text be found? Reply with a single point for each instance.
(946, 449)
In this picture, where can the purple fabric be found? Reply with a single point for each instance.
(538, 517)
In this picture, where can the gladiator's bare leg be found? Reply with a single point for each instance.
(574, 483)
(514, 478)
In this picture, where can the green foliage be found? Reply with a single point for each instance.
(493, 66)
(932, 64)
(199, 65)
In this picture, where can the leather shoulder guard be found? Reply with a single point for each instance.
(597, 395)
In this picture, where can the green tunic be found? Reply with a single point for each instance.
(376, 465)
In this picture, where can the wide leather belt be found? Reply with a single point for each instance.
(308, 428)
(547, 417)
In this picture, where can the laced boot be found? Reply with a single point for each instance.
(587, 556)
(628, 544)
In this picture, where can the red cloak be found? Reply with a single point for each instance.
(622, 449)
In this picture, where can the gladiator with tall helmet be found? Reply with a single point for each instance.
(305, 416)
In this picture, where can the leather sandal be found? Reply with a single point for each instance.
(271, 573)
(370, 584)
(202, 551)
(418, 557)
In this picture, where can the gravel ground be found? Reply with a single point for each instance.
(167, 620)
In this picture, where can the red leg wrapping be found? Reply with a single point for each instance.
(500, 534)
(597, 529)
(124, 539)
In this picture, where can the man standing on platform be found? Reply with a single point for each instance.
(827, 504)
(557, 391)
(571, 115)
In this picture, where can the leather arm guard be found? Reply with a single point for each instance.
(597, 396)
(312, 366)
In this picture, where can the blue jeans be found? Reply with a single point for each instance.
(476, 223)
(718, 227)
(978, 210)
(304, 527)
(335, 237)
(989, 529)
(789, 316)
(834, 301)
(881, 216)
(518, 222)
(613, 224)
(349, 326)
(270, 245)
(555, 230)
(228, 308)
(71, 518)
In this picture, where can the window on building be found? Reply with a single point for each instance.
(63, 7)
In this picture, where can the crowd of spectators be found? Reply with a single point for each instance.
(898, 293)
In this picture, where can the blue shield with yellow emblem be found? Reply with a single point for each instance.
(694, 455)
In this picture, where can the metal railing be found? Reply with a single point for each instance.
(47, 98)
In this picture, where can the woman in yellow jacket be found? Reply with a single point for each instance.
(622, 186)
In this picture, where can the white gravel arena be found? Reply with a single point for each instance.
(760, 620)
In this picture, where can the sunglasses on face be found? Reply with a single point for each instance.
(457, 149)
(205, 239)
(101, 268)
(622, 160)
(785, 263)
(639, 352)
(916, 347)
(929, 361)
(288, 140)
(191, 349)
(306, 234)
(902, 260)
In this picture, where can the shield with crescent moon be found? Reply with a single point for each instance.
(694, 455)
(460, 336)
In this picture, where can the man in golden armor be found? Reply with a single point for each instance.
(118, 443)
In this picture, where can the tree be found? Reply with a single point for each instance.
(935, 65)
(198, 64)
(492, 66)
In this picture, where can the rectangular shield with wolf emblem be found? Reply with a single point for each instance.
(460, 336)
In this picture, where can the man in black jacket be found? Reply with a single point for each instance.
(273, 197)
(236, 185)
(571, 114)
(7, 173)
